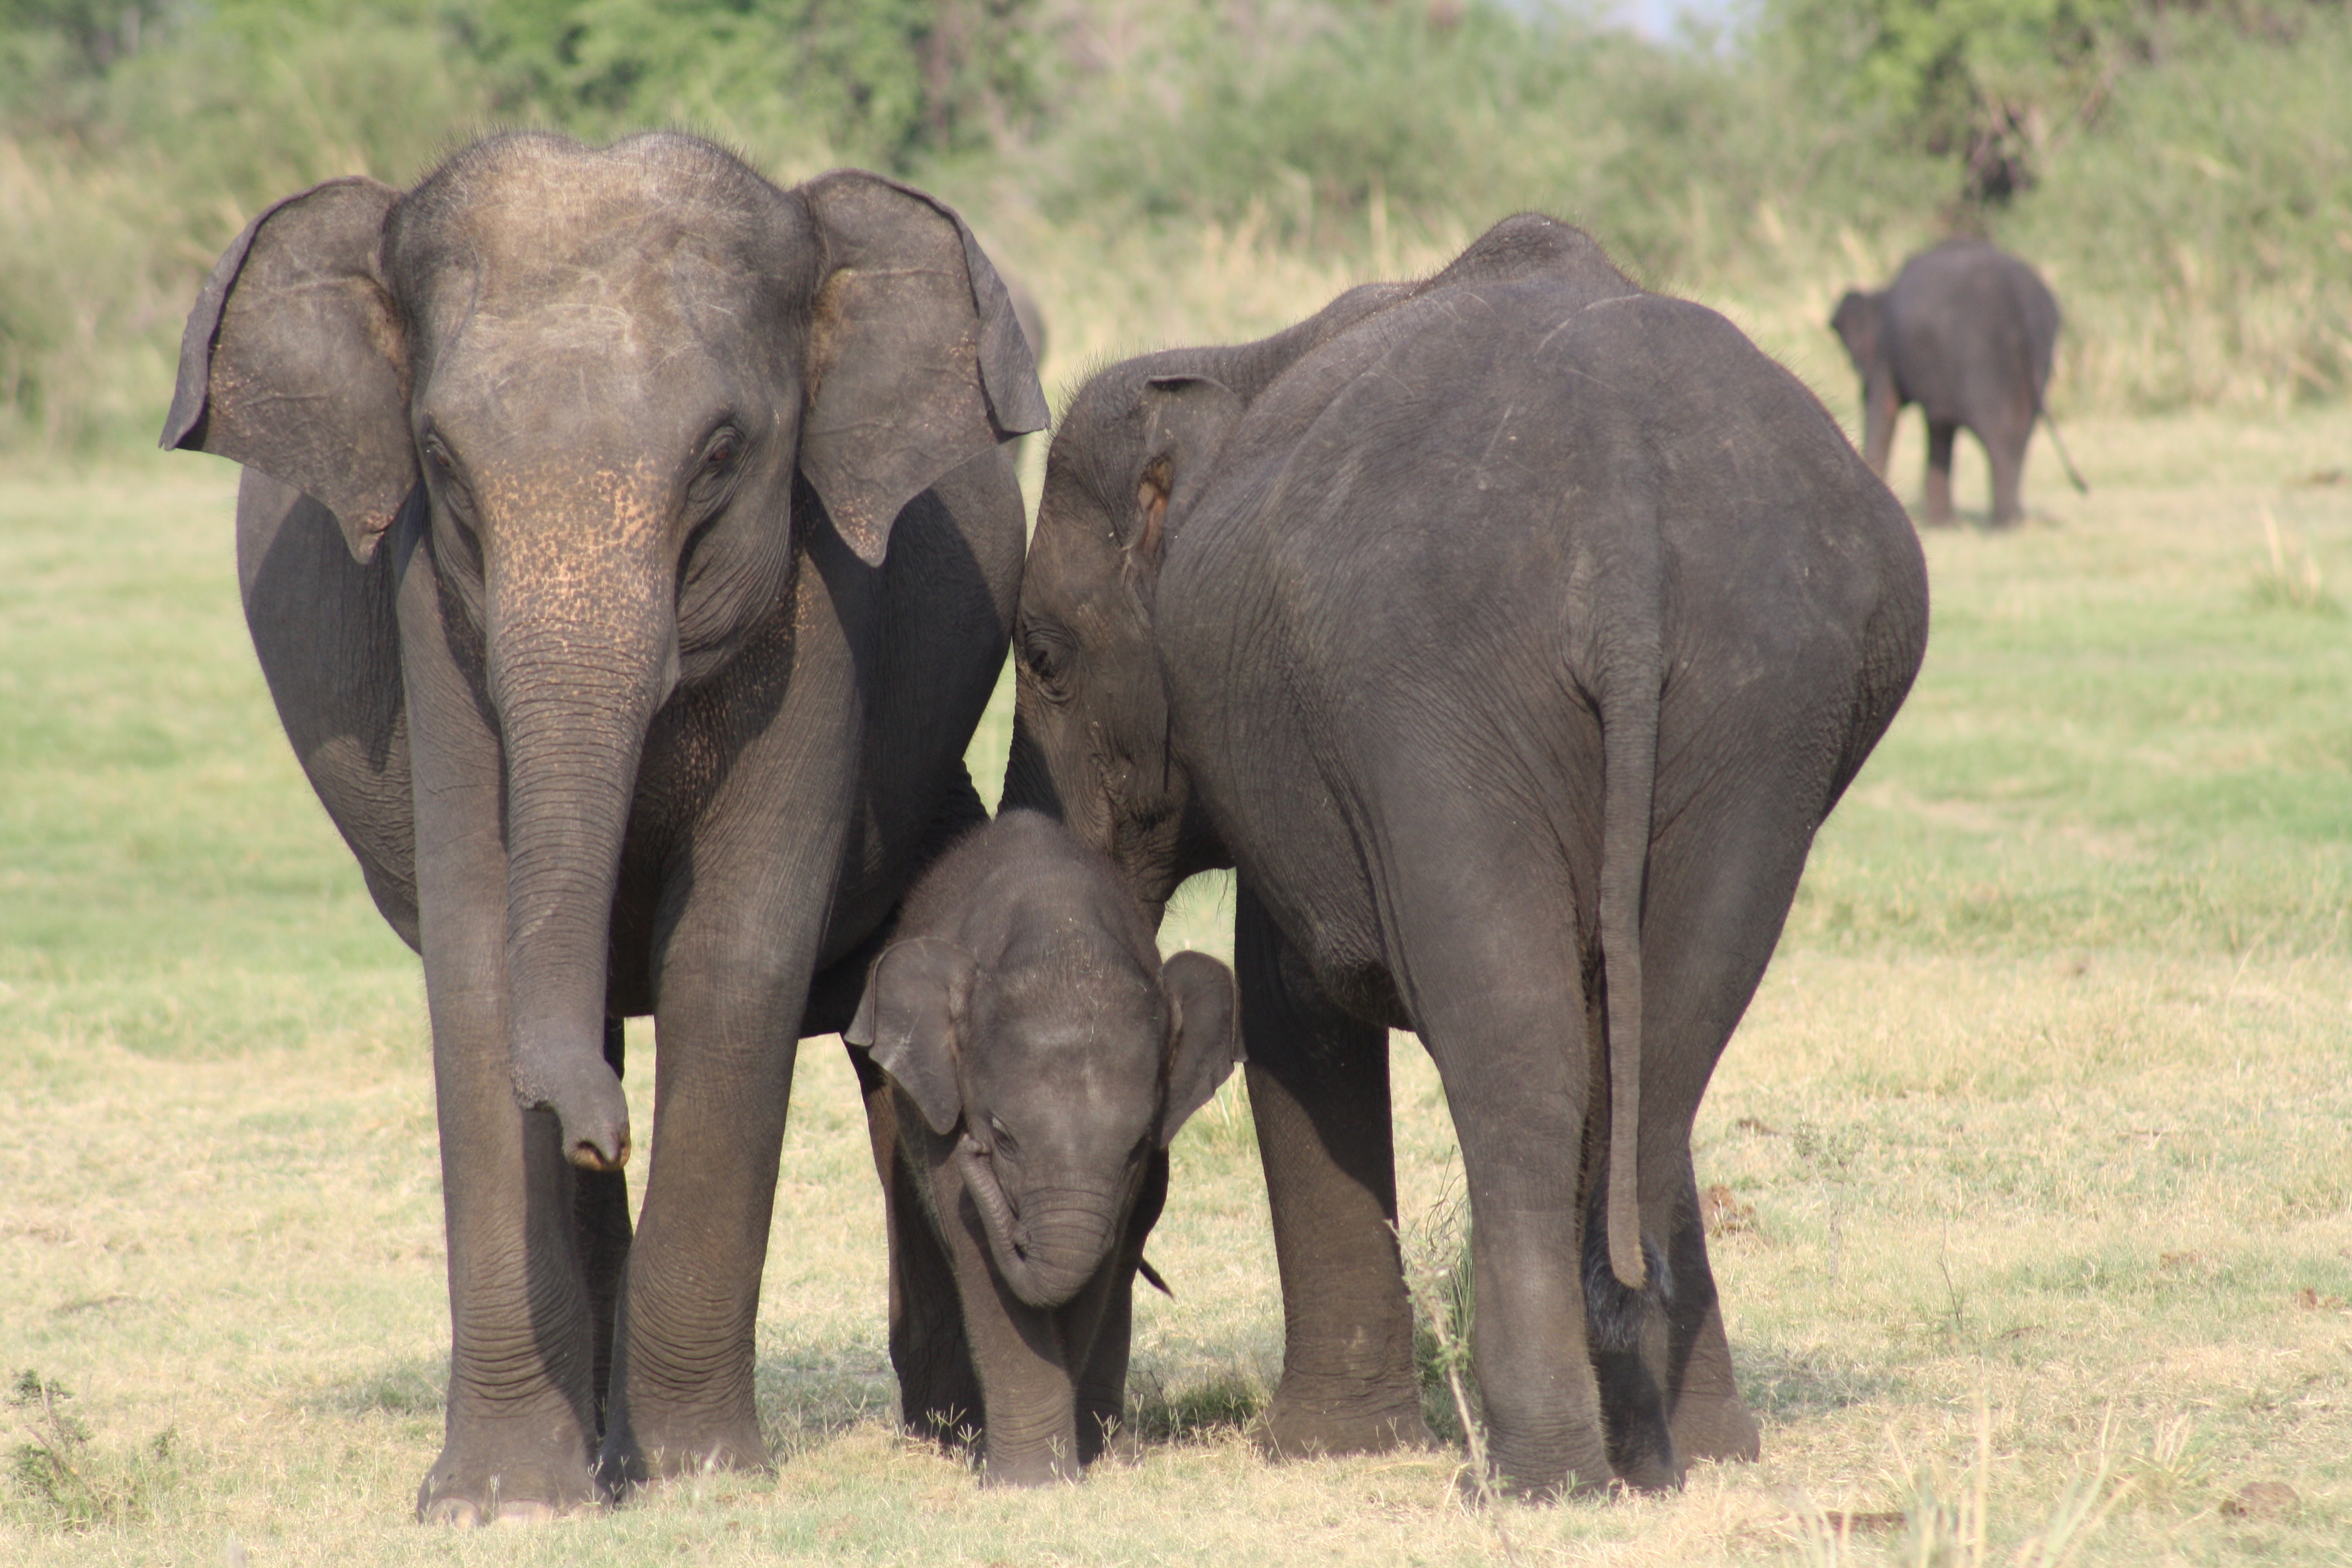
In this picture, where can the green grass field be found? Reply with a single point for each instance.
(2032, 1190)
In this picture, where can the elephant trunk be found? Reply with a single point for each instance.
(576, 673)
(1049, 1247)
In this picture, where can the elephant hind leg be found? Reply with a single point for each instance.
(2005, 451)
(1626, 1332)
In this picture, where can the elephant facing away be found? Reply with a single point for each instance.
(1511, 634)
(1040, 1059)
(1966, 332)
(629, 548)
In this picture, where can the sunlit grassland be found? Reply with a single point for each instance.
(2042, 1109)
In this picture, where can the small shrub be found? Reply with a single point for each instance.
(64, 1481)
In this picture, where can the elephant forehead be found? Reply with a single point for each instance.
(634, 313)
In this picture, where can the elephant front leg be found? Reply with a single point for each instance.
(939, 1390)
(521, 1420)
(1100, 1330)
(681, 1396)
(1319, 1090)
(600, 1229)
(1029, 1431)
(1879, 407)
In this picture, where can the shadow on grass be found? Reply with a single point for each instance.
(1191, 1411)
(813, 1396)
(414, 1386)
(1792, 1385)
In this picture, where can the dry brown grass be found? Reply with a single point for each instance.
(2041, 1112)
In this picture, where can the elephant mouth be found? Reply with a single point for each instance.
(1041, 1282)
(1008, 1239)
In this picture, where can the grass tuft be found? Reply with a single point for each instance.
(63, 1481)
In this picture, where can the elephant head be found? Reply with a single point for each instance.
(1057, 1073)
(1857, 322)
(591, 379)
(1090, 741)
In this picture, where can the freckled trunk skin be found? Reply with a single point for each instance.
(576, 678)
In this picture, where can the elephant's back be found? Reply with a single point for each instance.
(1448, 543)
(1470, 462)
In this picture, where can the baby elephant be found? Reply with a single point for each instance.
(1967, 332)
(1039, 1059)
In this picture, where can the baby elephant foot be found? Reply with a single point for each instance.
(466, 1490)
(1297, 1427)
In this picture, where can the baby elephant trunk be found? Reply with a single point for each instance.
(1054, 1241)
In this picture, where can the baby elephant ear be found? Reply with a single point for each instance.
(1186, 418)
(909, 1020)
(917, 364)
(293, 361)
(1208, 1038)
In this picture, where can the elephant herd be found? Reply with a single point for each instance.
(631, 546)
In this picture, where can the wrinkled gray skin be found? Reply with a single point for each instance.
(1042, 1060)
(1511, 634)
(628, 547)
(1967, 332)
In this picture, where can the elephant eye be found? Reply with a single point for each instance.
(999, 1135)
(1046, 655)
(726, 444)
(460, 500)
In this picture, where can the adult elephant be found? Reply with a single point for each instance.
(1512, 634)
(1966, 332)
(628, 547)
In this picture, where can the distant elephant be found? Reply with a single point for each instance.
(1042, 1060)
(1511, 633)
(630, 552)
(1967, 332)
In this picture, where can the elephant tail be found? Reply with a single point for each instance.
(1629, 697)
(2041, 413)
(2056, 440)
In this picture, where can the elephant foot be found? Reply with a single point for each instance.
(634, 1459)
(465, 1489)
(1546, 1475)
(1715, 1426)
(1036, 1468)
(1296, 1427)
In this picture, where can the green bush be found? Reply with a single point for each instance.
(2182, 176)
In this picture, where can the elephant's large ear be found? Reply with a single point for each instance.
(1207, 1034)
(910, 1021)
(1855, 321)
(1186, 418)
(293, 361)
(917, 364)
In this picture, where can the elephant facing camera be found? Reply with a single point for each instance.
(1032, 1059)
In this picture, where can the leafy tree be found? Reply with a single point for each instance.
(888, 81)
(1980, 81)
